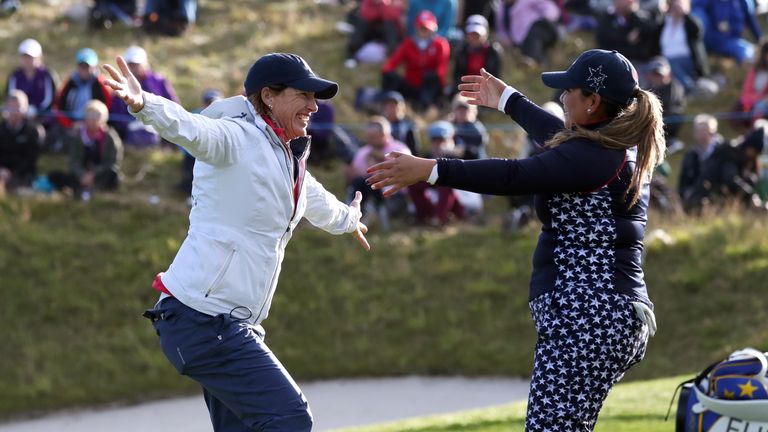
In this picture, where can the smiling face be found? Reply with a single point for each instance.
(292, 109)
(575, 106)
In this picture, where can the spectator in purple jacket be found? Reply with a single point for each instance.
(33, 78)
(130, 129)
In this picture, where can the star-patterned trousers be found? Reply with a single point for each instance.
(587, 339)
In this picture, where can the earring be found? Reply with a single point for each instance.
(589, 110)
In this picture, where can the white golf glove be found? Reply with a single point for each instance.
(646, 316)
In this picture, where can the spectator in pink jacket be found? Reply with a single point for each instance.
(530, 25)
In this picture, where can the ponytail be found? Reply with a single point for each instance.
(639, 124)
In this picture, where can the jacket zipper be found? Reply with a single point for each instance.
(294, 204)
(222, 272)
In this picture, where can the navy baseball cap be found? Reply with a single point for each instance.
(290, 70)
(607, 73)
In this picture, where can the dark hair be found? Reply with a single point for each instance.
(259, 104)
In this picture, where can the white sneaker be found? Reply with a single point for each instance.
(350, 63)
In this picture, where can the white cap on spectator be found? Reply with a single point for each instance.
(135, 54)
(477, 24)
(31, 48)
(477, 19)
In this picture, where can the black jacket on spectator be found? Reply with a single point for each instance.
(492, 64)
(717, 175)
(694, 33)
(613, 34)
(19, 149)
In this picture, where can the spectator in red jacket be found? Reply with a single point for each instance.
(82, 86)
(425, 57)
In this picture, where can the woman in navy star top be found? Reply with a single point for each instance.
(587, 294)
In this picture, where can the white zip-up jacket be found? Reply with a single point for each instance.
(243, 212)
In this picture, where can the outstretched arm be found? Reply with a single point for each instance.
(328, 213)
(211, 141)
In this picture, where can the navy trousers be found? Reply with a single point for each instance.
(244, 385)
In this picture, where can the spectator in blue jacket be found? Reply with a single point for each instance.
(724, 22)
(444, 10)
(587, 295)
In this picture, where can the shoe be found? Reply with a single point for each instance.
(350, 63)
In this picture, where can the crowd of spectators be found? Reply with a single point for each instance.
(423, 48)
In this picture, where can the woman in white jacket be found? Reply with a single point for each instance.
(250, 190)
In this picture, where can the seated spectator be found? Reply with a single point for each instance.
(82, 86)
(630, 31)
(444, 11)
(701, 163)
(378, 143)
(34, 79)
(723, 22)
(329, 140)
(132, 131)
(754, 91)
(169, 17)
(740, 175)
(476, 52)
(95, 154)
(105, 13)
(437, 210)
(470, 134)
(530, 25)
(376, 20)
(20, 143)
(660, 80)
(681, 41)
(425, 58)
(403, 128)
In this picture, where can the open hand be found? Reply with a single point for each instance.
(361, 229)
(484, 89)
(399, 171)
(125, 85)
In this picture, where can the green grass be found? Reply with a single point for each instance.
(635, 407)
(75, 277)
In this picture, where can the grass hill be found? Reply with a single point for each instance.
(75, 276)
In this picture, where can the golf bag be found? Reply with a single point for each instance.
(728, 396)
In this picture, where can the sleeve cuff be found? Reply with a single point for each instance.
(433, 175)
(509, 91)
(147, 100)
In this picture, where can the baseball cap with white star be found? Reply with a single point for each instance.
(607, 73)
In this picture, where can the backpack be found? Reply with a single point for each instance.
(728, 396)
